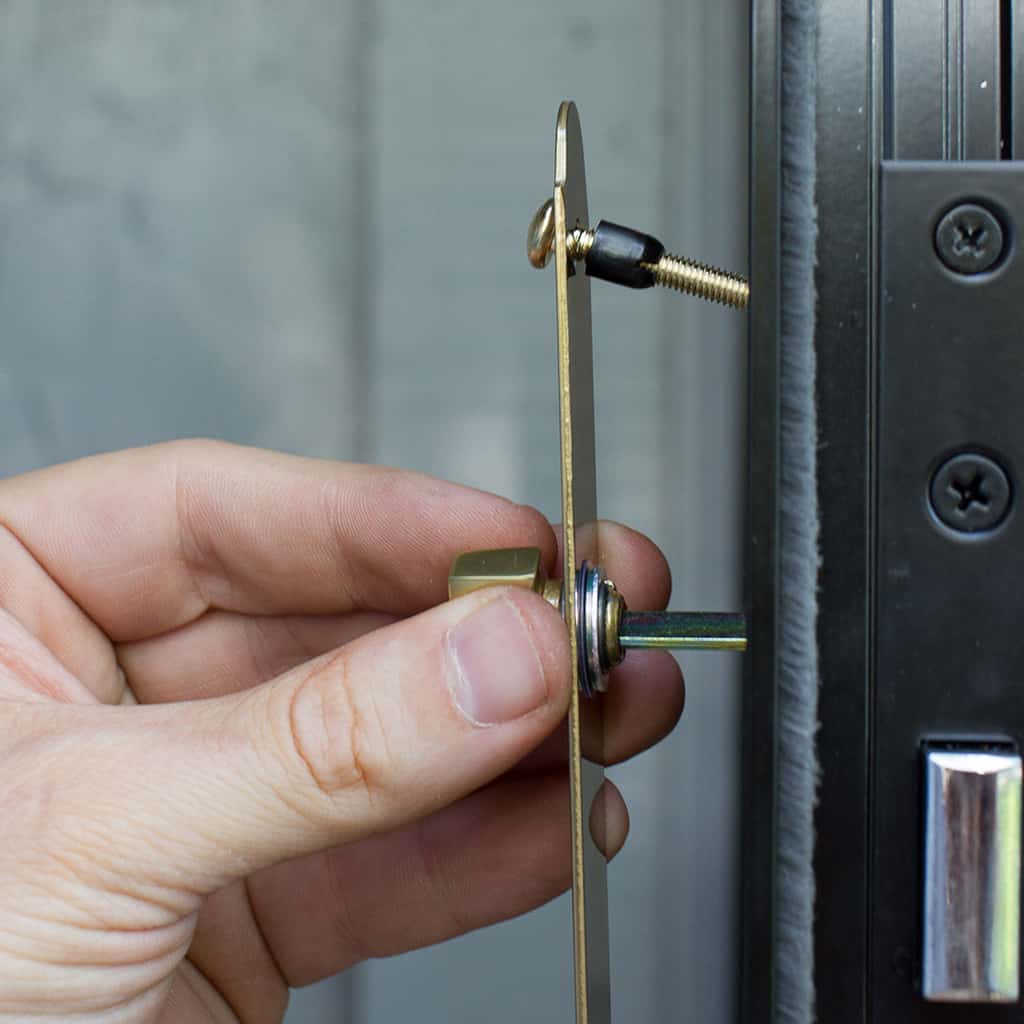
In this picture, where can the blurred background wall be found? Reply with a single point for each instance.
(302, 226)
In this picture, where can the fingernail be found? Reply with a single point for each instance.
(496, 671)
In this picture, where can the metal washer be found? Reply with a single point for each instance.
(591, 598)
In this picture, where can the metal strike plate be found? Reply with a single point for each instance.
(972, 845)
(947, 658)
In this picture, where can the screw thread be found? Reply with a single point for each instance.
(579, 242)
(701, 280)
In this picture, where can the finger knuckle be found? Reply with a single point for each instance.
(337, 732)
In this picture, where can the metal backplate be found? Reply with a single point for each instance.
(949, 658)
(579, 518)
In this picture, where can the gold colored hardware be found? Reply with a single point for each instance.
(504, 567)
(613, 629)
(591, 961)
(613, 611)
(523, 567)
(540, 239)
(600, 627)
(684, 631)
(701, 280)
(676, 272)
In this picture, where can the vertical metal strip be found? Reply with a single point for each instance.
(851, 133)
(579, 521)
(945, 80)
(757, 932)
(1014, 17)
(981, 81)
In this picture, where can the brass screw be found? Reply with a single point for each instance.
(668, 270)
(701, 280)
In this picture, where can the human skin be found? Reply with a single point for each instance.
(245, 742)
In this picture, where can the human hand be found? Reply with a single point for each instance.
(245, 742)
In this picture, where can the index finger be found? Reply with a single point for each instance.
(149, 539)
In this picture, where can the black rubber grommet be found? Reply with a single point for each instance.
(618, 255)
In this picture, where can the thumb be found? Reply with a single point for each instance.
(387, 729)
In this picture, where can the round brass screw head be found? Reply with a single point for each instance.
(541, 236)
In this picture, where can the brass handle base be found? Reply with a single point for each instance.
(605, 628)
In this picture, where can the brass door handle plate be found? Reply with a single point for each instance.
(601, 629)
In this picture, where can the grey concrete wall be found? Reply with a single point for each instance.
(302, 226)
